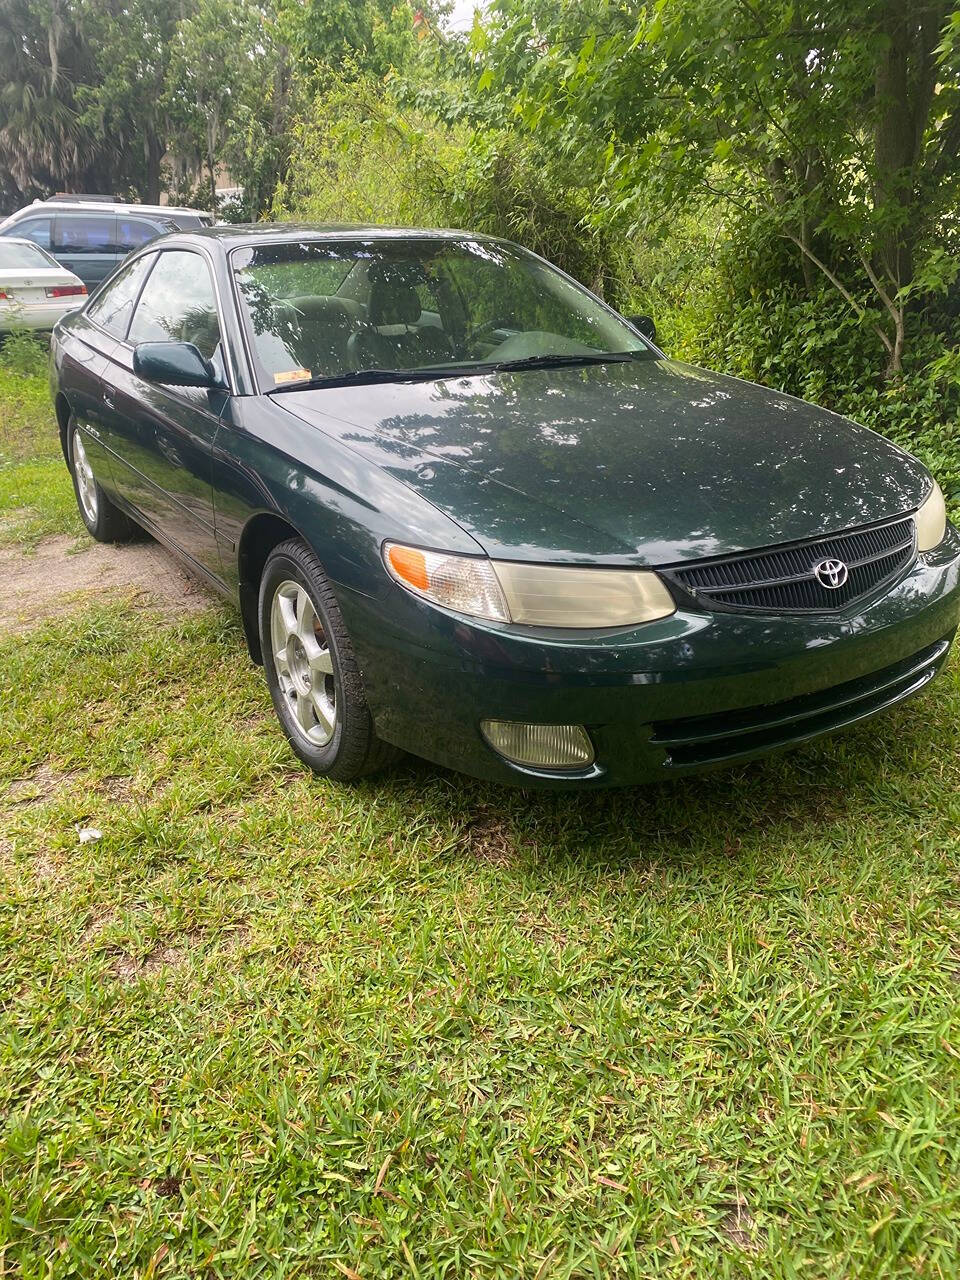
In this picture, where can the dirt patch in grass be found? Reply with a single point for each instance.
(56, 577)
(488, 838)
(118, 788)
(37, 786)
(541, 929)
(738, 1225)
(99, 920)
(9, 519)
(130, 969)
(165, 1187)
(44, 868)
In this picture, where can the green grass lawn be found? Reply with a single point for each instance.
(34, 500)
(424, 1027)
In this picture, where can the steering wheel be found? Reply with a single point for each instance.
(485, 331)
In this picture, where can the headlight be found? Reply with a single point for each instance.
(533, 594)
(464, 583)
(931, 520)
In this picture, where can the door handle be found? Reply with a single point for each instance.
(108, 402)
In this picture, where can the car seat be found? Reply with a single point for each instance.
(392, 337)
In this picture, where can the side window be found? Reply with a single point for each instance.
(112, 306)
(178, 304)
(35, 229)
(134, 232)
(85, 233)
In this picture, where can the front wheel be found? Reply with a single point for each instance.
(104, 521)
(311, 669)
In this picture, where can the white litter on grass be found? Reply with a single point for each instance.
(89, 834)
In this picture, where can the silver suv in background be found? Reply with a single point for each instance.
(90, 237)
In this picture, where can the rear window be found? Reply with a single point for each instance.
(188, 221)
(23, 257)
(134, 232)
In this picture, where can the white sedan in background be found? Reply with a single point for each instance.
(35, 291)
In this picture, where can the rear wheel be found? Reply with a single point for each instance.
(312, 671)
(104, 521)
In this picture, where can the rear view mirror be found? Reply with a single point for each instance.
(645, 325)
(175, 364)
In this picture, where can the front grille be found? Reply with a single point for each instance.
(782, 580)
(721, 737)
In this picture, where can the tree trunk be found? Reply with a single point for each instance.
(154, 154)
(213, 137)
(905, 78)
(894, 148)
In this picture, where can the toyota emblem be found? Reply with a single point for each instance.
(831, 574)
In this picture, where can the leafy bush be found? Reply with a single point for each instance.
(725, 293)
(362, 157)
(23, 352)
(356, 158)
(731, 299)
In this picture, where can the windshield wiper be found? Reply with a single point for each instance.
(358, 377)
(354, 377)
(558, 361)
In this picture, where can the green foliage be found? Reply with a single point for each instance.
(509, 185)
(42, 57)
(136, 98)
(839, 128)
(122, 101)
(361, 156)
(729, 298)
(23, 352)
(357, 158)
(26, 420)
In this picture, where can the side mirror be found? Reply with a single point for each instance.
(176, 364)
(645, 325)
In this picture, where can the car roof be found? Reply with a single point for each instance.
(233, 234)
(106, 206)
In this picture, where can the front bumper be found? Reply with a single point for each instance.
(676, 696)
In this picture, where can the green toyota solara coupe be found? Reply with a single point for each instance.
(468, 511)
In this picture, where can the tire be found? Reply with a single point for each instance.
(312, 671)
(104, 521)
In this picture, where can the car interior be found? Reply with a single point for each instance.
(387, 315)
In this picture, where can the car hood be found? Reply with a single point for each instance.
(650, 462)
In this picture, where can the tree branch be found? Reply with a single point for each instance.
(838, 284)
(884, 296)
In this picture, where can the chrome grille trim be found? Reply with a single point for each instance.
(782, 579)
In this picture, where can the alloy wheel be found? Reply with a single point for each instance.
(86, 484)
(303, 663)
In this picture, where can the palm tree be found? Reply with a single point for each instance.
(42, 144)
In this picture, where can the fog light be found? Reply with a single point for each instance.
(541, 746)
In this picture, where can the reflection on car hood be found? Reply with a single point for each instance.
(651, 462)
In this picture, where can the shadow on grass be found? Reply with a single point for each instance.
(820, 793)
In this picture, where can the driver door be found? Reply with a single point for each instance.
(164, 434)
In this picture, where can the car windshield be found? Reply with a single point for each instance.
(23, 257)
(359, 310)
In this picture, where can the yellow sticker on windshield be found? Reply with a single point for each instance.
(291, 375)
